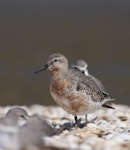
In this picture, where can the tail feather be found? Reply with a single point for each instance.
(107, 106)
(107, 100)
(106, 103)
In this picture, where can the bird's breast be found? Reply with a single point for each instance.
(59, 85)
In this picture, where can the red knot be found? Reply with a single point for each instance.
(72, 90)
(14, 119)
(15, 116)
(33, 132)
(82, 66)
(29, 134)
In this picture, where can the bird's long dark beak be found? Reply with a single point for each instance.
(42, 68)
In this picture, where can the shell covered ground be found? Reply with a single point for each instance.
(106, 129)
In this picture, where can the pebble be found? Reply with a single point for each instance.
(110, 130)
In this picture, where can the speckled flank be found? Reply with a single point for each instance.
(82, 66)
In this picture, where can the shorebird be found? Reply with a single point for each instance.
(20, 136)
(82, 66)
(32, 133)
(9, 127)
(15, 116)
(72, 90)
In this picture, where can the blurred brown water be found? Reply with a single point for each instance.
(97, 31)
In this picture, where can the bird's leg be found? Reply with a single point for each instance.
(91, 121)
(86, 120)
(76, 120)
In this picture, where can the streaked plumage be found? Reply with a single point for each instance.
(72, 90)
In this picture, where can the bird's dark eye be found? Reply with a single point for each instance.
(83, 72)
(21, 116)
(55, 60)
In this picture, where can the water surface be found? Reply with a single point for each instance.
(97, 31)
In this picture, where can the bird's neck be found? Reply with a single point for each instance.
(59, 72)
